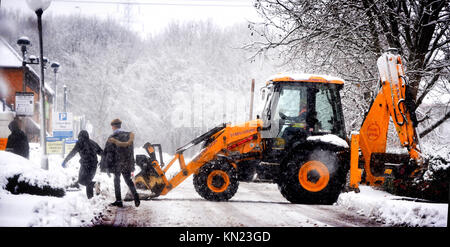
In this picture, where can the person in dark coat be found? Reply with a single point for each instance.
(17, 141)
(88, 150)
(118, 158)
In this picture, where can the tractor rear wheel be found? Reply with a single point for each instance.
(216, 181)
(315, 177)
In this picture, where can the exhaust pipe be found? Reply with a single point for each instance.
(252, 95)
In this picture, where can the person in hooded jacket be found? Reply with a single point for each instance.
(118, 158)
(88, 150)
(17, 141)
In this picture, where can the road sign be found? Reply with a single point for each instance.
(69, 145)
(24, 104)
(63, 125)
(54, 145)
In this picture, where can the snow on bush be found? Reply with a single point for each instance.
(433, 183)
(438, 163)
(16, 169)
(74, 209)
(394, 210)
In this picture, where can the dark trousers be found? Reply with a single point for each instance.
(127, 177)
(85, 176)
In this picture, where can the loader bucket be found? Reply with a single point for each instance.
(148, 178)
(153, 183)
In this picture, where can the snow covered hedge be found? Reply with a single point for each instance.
(19, 175)
(431, 184)
(394, 210)
(437, 177)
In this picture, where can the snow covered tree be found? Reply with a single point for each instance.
(346, 38)
(168, 88)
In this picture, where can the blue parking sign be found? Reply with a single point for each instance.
(63, 116)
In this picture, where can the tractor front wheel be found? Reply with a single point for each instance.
(216, 181)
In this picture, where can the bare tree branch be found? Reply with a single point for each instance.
(435, 125)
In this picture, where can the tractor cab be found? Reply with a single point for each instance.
(301, 105)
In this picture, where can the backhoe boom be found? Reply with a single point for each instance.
(390, 103)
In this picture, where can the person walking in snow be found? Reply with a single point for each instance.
(17, 141)
(88, 150)
(118, 159)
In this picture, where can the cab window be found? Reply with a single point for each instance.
(292, 103)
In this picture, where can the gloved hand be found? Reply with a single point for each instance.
(64, 164)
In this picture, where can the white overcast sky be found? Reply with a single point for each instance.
(150, 16)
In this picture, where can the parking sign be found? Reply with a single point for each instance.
(63, 125)
(62, 116)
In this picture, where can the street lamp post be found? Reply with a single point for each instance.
(39, 6)
(23, 42)
(65, 99)
(55, 67)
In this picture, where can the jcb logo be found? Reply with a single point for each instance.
(373, 131)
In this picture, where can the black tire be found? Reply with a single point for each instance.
(321, 187)
(216, 181)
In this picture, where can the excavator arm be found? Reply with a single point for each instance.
(392, 102)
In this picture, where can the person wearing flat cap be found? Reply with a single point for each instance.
(118, 158)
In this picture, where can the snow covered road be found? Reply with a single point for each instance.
(254, 205)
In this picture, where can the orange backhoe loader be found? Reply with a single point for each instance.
(299, 142)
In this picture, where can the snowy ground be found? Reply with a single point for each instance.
(394, 210)
(261, 205)
(74, 209)
(254, 204)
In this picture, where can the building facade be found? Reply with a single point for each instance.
(14, 77)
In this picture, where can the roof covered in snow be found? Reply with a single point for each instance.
(9, 58)
(301, 77)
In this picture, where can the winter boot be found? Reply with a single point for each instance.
(117, 204)
(137, 202)
(90, 190)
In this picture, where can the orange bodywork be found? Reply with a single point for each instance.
(308, 78)
(355, 172)
(242, 138)
(236, 143)
(388, 104)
